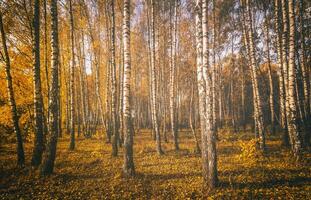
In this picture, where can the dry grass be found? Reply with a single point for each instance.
(89, 172)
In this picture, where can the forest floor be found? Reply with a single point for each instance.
(90, 172)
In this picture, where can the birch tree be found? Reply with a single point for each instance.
(305, 73)
(253, 64)
(5, 56)
(201, 71)
(174, 125)
(208, 137)
(115, 133)
(38, 99)
(292, 116)
(282, 95)
(210, 177)
(72, 78)
(128, 166)
(49, 156)
(154, 101)
(271, 87)
(214, 67)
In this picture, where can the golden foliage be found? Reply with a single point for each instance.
(91, 173)
(249, 153)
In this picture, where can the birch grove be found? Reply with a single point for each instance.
(155, 99)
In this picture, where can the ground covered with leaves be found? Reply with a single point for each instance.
(90, 172)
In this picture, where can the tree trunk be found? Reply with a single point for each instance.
(232, 103)
(46, 60)
(108, 77)
(209, 159)
(121, 74)
(201, 72)
(67, 101)
(253, 62)
(243, 98)
(72, 82)
(49, 155)
(305, 75)
(81, 83)
(293, 126)
(128, 167)
(247, 49)
(214, 69)
(38, 100)
(285, 61)
(283, 121)
(192, 120)
(271, 93)
(174, 125)
(46, 116)
(115, 133)
(59, 99)
(10, 90)
(78, 111)
(153, 83)
(150, 72)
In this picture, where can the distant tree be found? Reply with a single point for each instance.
(173, 110)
